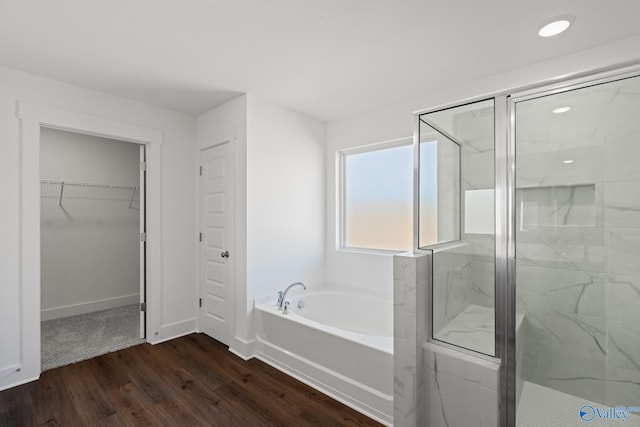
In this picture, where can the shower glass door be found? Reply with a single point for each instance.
(577, 253)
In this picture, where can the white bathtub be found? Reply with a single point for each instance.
(339, 343)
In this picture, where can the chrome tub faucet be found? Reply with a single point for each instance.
(283, 294)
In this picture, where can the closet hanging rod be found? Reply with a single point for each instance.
(62, 184)
(86, 184)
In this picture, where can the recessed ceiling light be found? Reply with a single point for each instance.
(567, 161)
(561, 110)
(555, 27)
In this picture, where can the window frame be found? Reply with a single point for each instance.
(341, 210)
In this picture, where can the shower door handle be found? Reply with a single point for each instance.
(225, 254)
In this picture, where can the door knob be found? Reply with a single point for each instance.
(225, 254)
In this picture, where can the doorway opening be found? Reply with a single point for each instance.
(32, 118)
(92, 245)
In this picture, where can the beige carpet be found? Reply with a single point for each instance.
(72, 339)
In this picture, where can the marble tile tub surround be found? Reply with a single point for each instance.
(578, 278)
(410, 298)
(460, 389)
(415, 381)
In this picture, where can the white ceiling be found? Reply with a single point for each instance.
(328, 59)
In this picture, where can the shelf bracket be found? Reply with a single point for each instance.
(61, 193)
(133, 194)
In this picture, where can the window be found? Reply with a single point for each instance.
(377, 197)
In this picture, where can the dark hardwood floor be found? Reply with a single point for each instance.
(189, 381)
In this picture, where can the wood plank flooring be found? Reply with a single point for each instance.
(190, 381)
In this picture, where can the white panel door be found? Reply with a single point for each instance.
(217, 287)
(143, 242)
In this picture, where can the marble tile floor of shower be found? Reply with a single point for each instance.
(543, 406)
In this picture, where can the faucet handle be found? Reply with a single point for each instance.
(280, 296)
(286, 308)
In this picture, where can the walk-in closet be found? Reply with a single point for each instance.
(92, 224)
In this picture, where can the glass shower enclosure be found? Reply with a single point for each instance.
(456, 222)
(577, 237)
(529, 204)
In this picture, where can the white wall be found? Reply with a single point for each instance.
(177, 299)
(370, 271)
(279, 199)
(90, 247)
(285, 199)
(374, 272)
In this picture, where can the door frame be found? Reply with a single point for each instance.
(142, 229)
(231, 269)
(31, 119)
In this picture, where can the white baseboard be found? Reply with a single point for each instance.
(243, 349)
(88, 307)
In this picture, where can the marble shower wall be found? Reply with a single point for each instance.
(578, 265)
(448, 190)
(476, 131)
(451, 290)
(463, 274)
(480, 274)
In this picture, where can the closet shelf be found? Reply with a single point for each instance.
(77, 190)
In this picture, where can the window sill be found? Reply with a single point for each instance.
(372, 251)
